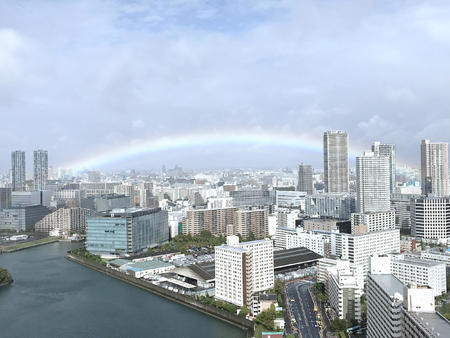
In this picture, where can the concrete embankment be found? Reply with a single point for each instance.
(6, 249)
(212, 311)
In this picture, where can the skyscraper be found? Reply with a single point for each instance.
(387, 150)
(40, 169)
(18, 170)
(434, 160)
(335, 161)
(305, 180)
(373, 183)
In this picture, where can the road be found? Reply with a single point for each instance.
(302, 308)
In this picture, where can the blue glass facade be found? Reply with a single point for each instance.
(128, 231)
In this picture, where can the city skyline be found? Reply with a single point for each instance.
(118, 73)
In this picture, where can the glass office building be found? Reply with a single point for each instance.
(127, 231)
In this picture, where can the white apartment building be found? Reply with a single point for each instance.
(242, 269)
(373, 183)
(430, 218)
(344, 293)
(375, 221)
(287, 238)
(411, 270)
(443, 257)
(357, 248)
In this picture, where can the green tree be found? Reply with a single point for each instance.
(266, 318)
(339, 325)
(243, 312)
(5, 276)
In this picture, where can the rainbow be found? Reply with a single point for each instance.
(210, 139)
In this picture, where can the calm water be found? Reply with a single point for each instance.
(53, 297)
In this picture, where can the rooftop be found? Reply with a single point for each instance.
(294, 256)
(389, 283)
(145, 265)
(434, 322)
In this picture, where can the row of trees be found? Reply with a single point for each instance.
(82, 252)
(5, 277)
(219, 304)
(182, 243)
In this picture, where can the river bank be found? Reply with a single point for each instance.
(244, 324)
(27, 245)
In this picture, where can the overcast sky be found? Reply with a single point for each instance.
(79, 77)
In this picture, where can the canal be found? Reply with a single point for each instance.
(53, 297)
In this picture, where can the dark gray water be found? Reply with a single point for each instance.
(53, 297)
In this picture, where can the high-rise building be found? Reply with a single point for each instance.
(401, 204)
(373, 221)
(305, 179)
(373, 183)
(335, 158)
(387, 150)
(434, 160)
(254, 222)
(212, 220)
(395, 309)
(66, 220)
(18, 170)
(336, 205)
(5, 198)
(430, 218)
(127, 231)
(413, 270)
(242, 269)
(252, 198)
(40, 169)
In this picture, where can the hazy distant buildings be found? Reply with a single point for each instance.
(305, 179)
(434, 161)
(387, 150)
(430, 218)
(373, 183)
(40, 169)
(335, 156)
(18, 170)
(252, 198)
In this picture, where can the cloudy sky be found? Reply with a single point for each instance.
(84, 77)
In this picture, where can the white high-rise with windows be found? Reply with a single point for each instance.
(40, 169)
(434, 165)
(387, 150)
(241, 269)
(373, 183)
(18, 170)
(335, 161)
(430, 218)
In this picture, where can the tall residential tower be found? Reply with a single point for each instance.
(305, 179)
(387, 150)
(335, 161)
(434, 160)
(40, 169)
(18, 170)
